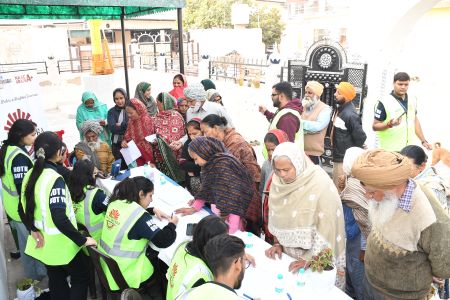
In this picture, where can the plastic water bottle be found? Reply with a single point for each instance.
(301, 278)
(279, 286)
(249, 242)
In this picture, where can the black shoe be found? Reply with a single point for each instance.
(15, 255)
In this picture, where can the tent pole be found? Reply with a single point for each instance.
(180, 39)
(124, 50)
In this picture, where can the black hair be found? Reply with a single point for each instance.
(271, 138)
(129, 189)
(130, 104)
(179, 76)
(19, 129)
(221, 251)
(47, 144)
(285, 88)
(193, 123)
(401, 76)
(206, 229)
(215, 120)
(123, 92)
(81, 176)
(415, 153)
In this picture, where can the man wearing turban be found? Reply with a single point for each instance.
(395, 120)
(347, 129)
(410, 236)
(315, 118)
(93, 149)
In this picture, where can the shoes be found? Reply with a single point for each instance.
(15, 255)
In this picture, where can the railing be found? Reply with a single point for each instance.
(39, 66)
(84, 63)
(172, 64)
(238, 68)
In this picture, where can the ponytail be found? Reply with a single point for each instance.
(19, 129)
(46, 145)
(81, 176)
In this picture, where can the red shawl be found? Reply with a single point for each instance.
(178, 92)
(169, 124)
(138, 129)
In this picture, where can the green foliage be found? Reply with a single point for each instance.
(322, 261)
(270, 22)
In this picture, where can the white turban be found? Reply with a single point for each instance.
(349, 158)
(196, 92)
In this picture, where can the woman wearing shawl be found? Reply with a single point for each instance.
(216, 127)
(139, 126)
(143, 93)
(272, 139)
(169, 127)
(187, 164)
(213, 96)
(117, 123)
(179, 84)
(182, 107)
(225, 182)
(305, 211)
(92, 109)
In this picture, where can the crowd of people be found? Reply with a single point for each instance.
(383, 213)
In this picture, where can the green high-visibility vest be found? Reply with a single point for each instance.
(185, 270)
(58, 249)
(298, 135)
(9, 192)
(397, 137)
(129, 254)
(209, 291)
(86, 216)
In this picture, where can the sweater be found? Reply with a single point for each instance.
(409, 249)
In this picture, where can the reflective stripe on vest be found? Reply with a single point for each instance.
(115, 250)
(9, 191)
(87, 214)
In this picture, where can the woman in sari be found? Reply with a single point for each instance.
(216, 126)
(169, 127)
(225, 183)
(305, 211)
(143, 93)
(272, 139)
(92, 109)
(179, 84)
(139, 126)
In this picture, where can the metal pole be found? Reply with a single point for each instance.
(124, 50)
(180, 39)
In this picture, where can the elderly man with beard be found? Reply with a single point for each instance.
(315, 119)
(225, 255)
(93, 149)
(410, 238)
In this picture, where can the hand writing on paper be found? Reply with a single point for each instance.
(185, 211)
(276, 249)
(160, 215)
(174, 219)
(297, 265)
(39, 238)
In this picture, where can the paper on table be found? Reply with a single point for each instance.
(131, 153)
(151, 138)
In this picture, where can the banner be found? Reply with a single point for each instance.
(20, 99)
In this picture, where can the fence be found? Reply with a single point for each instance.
(39, 66)
(237, 68)
(84, 63)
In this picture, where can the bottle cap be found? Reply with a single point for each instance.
(301, 271)
(280, 276)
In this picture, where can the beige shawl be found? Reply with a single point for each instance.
(306, 213)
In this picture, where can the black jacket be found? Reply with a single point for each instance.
(113, 117)
(348, 131)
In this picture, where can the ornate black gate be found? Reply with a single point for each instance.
(326, 62)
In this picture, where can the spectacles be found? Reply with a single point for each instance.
(273, 95)
(246, 262)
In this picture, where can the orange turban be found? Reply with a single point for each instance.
(316, 87)
(347, 90)
(382, 169)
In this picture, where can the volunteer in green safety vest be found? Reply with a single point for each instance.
(55, 239)
(188, 269)
(395, 118)
(89, 202)
(225, 255)
(128, 228)
(14, 164)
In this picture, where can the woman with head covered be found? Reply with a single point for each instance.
(305, 211)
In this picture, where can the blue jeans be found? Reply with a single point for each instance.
(32, 267)
(354, 271)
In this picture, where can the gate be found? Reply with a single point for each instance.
(326, 62)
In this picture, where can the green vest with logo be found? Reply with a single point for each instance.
(84, 214)
(184, 271)
(129, 254)
(9, 192)
(58, 249)
(209, 291)
(299, 134)
(397, 137)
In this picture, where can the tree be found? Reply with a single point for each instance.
(270, 23)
